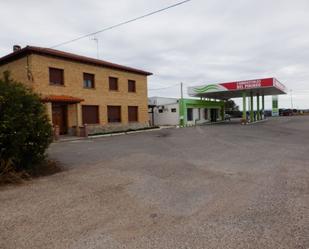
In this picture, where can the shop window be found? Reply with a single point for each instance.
(206, 114)
(189, 114)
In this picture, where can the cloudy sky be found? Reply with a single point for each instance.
(203, 41)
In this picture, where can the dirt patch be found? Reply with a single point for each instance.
(9, 176)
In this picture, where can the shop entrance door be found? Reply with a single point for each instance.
(213, 115)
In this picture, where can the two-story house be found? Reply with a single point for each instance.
(78, 90)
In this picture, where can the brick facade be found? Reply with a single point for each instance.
(33, 70)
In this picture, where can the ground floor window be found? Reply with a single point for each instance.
(189, 114)
(133, 113)
(90, 114)
(114, 114)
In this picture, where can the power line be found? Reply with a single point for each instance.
(163, 88)
(300, 90)
(121, 24)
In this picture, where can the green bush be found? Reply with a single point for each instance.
(25, 131)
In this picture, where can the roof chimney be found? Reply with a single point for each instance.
(16, 48)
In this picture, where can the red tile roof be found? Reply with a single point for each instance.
(67, 56)
(61, 98)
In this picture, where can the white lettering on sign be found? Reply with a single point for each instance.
(248, 84)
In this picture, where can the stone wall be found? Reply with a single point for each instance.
(100, 95)
(97, 129)
(37, 66)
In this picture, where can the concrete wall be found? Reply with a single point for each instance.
(167, 117)
(162, 100)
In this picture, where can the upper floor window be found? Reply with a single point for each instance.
(131, 86)
(88, 80)
(113, 84)
(56, 76)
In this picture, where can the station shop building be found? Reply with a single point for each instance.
(185, 112)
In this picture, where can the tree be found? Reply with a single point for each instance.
(25, 131)
(230, 105)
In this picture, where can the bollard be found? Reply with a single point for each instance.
(56, 134)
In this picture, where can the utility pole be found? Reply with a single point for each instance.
(181, 90)
(182, 107)
(291, 99)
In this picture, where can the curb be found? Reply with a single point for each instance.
(104, 135)
(256, 122)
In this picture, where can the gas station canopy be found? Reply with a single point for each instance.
(261, 87)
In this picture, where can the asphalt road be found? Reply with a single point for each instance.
(218, 186)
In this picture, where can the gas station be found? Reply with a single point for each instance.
(258, 88)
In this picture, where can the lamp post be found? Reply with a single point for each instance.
(291, 99)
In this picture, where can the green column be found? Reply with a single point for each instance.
(244, 106)
(251, 108)
(258, 116)
(263, 106)
(223, 111)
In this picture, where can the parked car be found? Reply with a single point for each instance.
(285, 112)
(227, 117)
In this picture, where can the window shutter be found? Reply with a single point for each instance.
(131, 86)
(113, 83)
(114, 114)
(133, 113)
(90, 114)
(56, 76)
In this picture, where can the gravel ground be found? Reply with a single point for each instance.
(219, 186)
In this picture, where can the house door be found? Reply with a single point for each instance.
(60, 117)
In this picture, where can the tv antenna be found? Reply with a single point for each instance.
(96, 40)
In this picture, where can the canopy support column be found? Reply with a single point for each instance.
(258, 113)
(223, 111)
(251, 108)
(263, 106)
(244, 106)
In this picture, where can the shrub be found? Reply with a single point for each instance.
(25, 131)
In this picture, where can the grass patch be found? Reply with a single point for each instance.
(123, 131)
